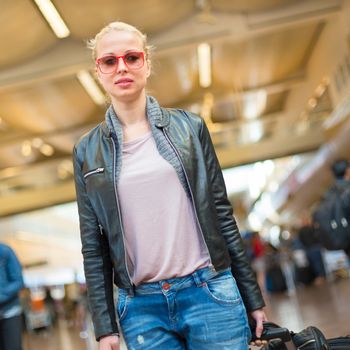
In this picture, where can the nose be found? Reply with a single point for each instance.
(121, 65)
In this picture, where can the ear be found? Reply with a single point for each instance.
(98, 74)
(148, 69)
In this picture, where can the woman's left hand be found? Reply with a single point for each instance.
(259, 317)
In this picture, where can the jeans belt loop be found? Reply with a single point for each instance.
(131, 291)
(197, 279)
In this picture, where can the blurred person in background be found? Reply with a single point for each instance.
(258, 258)
(341, 172)
(345, 198)
(332, 216)
(155, 218)
(11, 282)
(310, 240)
(275, 280)
(341, 169)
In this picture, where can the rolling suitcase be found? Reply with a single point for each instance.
(311, 338)
(279, 338)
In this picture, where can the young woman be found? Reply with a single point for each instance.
(155, 219)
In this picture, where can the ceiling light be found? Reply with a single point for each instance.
(53, 18)
(37, 142)
(269, 167)
(204, 64)
(312, 103)
(47, 150)
(252, 132)
(254, 221)
(254, 104)
(10, 172)
(26, 148)
(91, 87)
(236, 178)
(321, 88)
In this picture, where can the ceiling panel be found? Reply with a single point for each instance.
(249, 6)
(263, 75)
(47, 106)
(276, 102)
(149, 15)
(30, 35)
(264, 59)
(181, 74)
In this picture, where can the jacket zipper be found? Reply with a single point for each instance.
(95, 171)
(189, 187)
(119, 213)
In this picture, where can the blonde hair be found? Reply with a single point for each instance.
(121, 27)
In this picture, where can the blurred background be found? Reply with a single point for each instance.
(270, 77)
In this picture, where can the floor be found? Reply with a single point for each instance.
(326, 306)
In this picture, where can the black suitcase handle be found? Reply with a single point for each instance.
(271, 331)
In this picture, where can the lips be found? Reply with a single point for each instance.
(123, 81)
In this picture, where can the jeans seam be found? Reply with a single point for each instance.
(125, 308)
(213, 297)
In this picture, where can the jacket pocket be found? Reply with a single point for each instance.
(93, 172)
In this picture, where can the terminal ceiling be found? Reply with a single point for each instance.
(269, 97)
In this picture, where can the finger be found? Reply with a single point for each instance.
(259, 327)
(115, 345)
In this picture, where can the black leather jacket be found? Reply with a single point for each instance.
(99, 212)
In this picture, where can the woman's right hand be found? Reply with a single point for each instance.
(110, 342)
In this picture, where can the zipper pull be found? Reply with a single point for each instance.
(101, 229)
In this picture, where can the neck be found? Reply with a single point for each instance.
(131, 112)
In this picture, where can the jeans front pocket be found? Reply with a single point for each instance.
(223, 289)
(122, 305)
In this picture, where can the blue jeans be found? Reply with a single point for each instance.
(201, 311)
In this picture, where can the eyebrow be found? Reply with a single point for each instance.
(125, 52)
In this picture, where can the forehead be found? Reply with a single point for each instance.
(118, 42)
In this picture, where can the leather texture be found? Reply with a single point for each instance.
(100, 223)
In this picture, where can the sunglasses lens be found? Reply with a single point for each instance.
(134, 60)
(107, 64)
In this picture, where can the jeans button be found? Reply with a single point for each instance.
(166, 286)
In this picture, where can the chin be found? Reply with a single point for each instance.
(126, 96)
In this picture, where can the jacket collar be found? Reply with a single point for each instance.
(159, 117)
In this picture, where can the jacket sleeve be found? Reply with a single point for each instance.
(97, 262)
(14, 277)
(240, 267)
